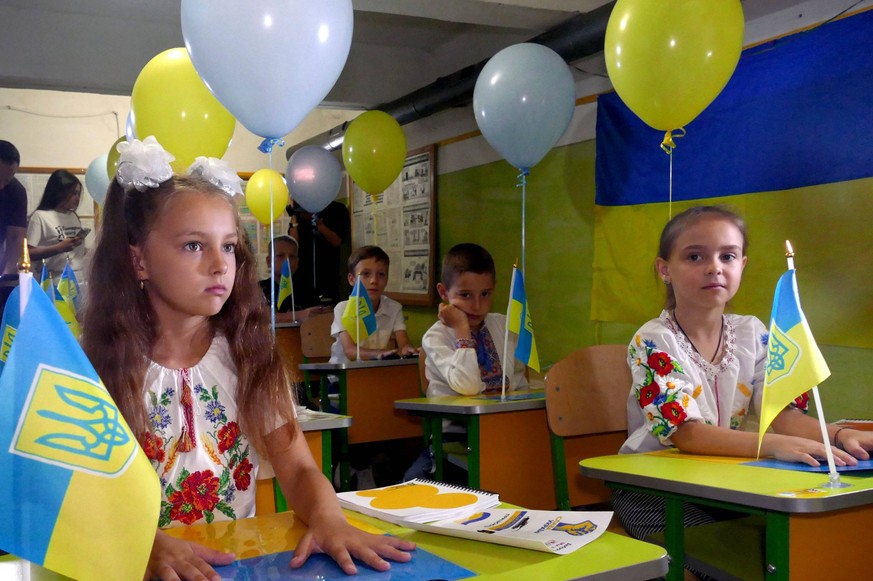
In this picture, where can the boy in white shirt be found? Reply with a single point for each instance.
(371, 263)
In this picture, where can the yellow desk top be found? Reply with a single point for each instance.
(729, 480)
(610, 556)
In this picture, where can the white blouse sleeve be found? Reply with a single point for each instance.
(457, 368)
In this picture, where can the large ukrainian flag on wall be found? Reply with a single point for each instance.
(788, 144)
(77, 494)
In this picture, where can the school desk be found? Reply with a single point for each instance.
(810, 531)
(317, 428)
(367, 391)
(508, 442)
(609, 557)
(290, 347)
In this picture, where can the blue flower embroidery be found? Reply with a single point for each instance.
(169, 391)
(159, 417)
(649, 343)
(215, 412)
(765, 338)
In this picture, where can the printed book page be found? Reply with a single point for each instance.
(559, 532)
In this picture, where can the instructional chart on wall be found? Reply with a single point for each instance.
(401, 221)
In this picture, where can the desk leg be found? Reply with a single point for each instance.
(435, 425)
(345, 466)
(327, 454)
(675, 538)
(474, 462)
(776, 551)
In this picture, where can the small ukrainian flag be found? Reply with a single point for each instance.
(520, 322)
(359, 319)
(286, 289)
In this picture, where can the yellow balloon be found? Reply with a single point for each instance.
(374, 150)
(112, 158)
(266, 186)
(669, 59)
(170, 102)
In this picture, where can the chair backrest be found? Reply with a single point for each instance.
(587, 391)
(315, 337)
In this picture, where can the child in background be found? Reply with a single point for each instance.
(371, 263)
(306, 305)
(464, 348)
(179, 332)
(698, 373)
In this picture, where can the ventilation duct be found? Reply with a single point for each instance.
(577, 37)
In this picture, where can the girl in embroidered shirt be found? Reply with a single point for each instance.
(179, 332)
(698, 372)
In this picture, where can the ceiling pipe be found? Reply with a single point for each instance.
(579, 36)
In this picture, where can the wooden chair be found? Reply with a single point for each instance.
(315, 344)
(586, 399)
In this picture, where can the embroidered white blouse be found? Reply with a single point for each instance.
(673, 384)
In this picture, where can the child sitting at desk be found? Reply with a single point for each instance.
(179, 332)
(305, 305)
(698, 373)
(371, 264)
(464, 347)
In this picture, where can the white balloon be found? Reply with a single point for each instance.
(269, 62)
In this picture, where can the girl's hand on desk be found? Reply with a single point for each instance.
(858, 443)
(796, 449)
(175, 559)
(409, 350)
(342, 541)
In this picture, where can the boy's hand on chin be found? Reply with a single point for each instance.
(452, 316)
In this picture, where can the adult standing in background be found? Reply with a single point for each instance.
(13, 209)
(320, 248)
(54, 231)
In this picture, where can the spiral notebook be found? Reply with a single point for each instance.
(418, 501)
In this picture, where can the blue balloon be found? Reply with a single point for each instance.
(269, 62)
(96, 179)
(129, 130)
(314, 177)
(523, 102)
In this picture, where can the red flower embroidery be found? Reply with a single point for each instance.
(802, 401)
(201, 490)
(648, 394)
(660, 363)
(227, 436)
(674, 412)
(183, 510)
(242, 475)
(153, 446)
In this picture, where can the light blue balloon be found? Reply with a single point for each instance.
(314, 177)
(523, 102)
(269, 62)
(96, 179)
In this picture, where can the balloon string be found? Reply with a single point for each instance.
(522, 183)
(267, 144)
(272, 246)
(668, 145)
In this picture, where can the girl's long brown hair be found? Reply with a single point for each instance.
(119, 326)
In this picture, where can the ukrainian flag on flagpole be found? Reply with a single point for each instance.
(45, 279)
(520, 323)
(286, 289)
(359, 308)
(794, 362)
(78, 495)
(68, 286)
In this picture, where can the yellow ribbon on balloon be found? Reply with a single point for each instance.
(668, 145)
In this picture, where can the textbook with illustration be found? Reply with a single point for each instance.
(414, 504)
(418, 501)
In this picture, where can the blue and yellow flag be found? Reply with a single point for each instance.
(520, 323)
(286, 288)
(45, 279)
(68, 286)
(78, 495)
(359, 308)
(794, 363)
(9, 324)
